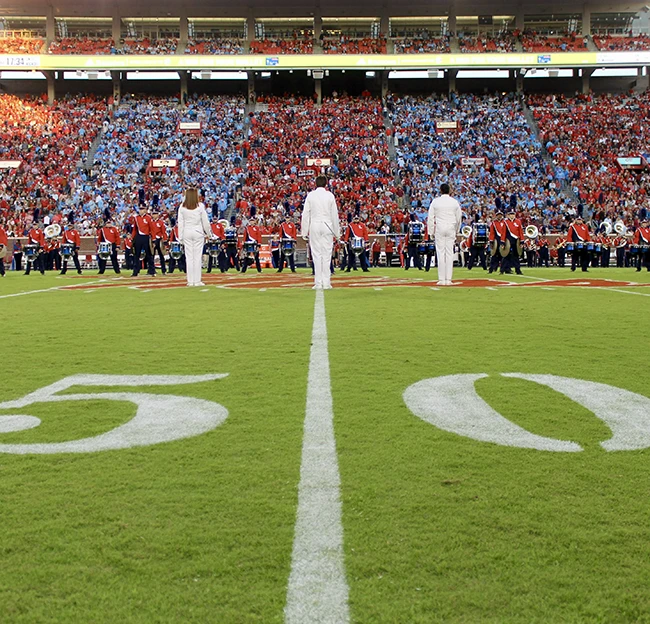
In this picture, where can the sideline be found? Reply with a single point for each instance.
(318, 590)
(627, 292)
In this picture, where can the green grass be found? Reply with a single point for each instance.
(437, 527)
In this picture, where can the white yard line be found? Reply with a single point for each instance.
(42, 290)
(318, 590)
(627, 292)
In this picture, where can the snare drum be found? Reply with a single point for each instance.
(288, 246)
(480, 234)
(66, 251)
(214, 248)
(590, 246)
(580, 246)
(422, 248)
(250, 248)
(634, 249)
(105, 250)
(175, 249)
(231, 237)
(569, 247)
(416, 232)
(598, 247)
(358, 245)
(431, 248)
(30, 251)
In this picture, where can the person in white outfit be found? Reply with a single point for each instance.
(444, 221)
(320, 226)
(193, 227)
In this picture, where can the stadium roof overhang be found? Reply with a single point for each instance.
(224, 8)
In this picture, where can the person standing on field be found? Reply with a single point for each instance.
(193, 227)
(444, 221)
(320, 225)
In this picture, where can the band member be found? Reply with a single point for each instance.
(514, 233)
(605, 257)
(497, 234)
(70, 236)
(620, 243)
(389, 248)
(173, 238)
(108, 233)
(414, 236)
(444, 222)
(376, 252)
(35, 236)
(579, 234)
(52, 255)
(128, 247)
(431, 251)
(232, 257)
(252, 234)
(476, 253)
(158, 238)
(142, 224)
(642, 240)
(4, 249)
(356, 230)
(560, 247)
(543, 251)
(219, 233)
(274, 243)
(530, 247)
(320, 226)
(289, 232)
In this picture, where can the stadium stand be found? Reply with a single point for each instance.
(493, 128)
(294, 45)
(487, 43)
(82, 45)
(421, 45)
(622, 43)
(585, 148)
(50, 141)
(350, 131)
(214, 46)
(534, 42)
(21, 45)
(350, 45)
(145, 45)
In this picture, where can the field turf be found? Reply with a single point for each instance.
(437, 527)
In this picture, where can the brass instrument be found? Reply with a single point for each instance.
(607, 229)
(466, 231)
(620, 228)
(532, 232)
(52, 231)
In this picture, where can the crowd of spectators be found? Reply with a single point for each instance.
(349, 131)
(584, 148)
(351, 45)
(21, 45)
(504, 42)
(52, 142)
(216, 45)
(146, 128)
(535, 42)
(292, 45)
(622, 43)
(145, 45)
(82, 45)
(493, 128)
(421, 44)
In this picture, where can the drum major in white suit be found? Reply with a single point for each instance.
(320, 225)
(445, 217)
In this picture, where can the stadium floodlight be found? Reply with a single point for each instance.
(370, 74)
(318, 74)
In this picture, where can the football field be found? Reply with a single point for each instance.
(387, 451)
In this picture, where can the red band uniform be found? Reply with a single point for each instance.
(642, 240)
(288, 232)
(71, 237)
(497, 234)
(252, 234)
(36, 237)
(514, 233)
(356, 229)
(142, 230)
(158, 238)
(220, 260)
(579, 233)
(4, 242)
(109, 234)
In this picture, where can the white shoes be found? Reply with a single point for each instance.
(200, 284)
(327, 287)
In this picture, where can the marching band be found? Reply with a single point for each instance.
(502, 244)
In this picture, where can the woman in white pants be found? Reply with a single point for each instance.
(193, 227)
(445, 218)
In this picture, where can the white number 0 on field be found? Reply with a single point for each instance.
(159, 417)
(451, 403)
